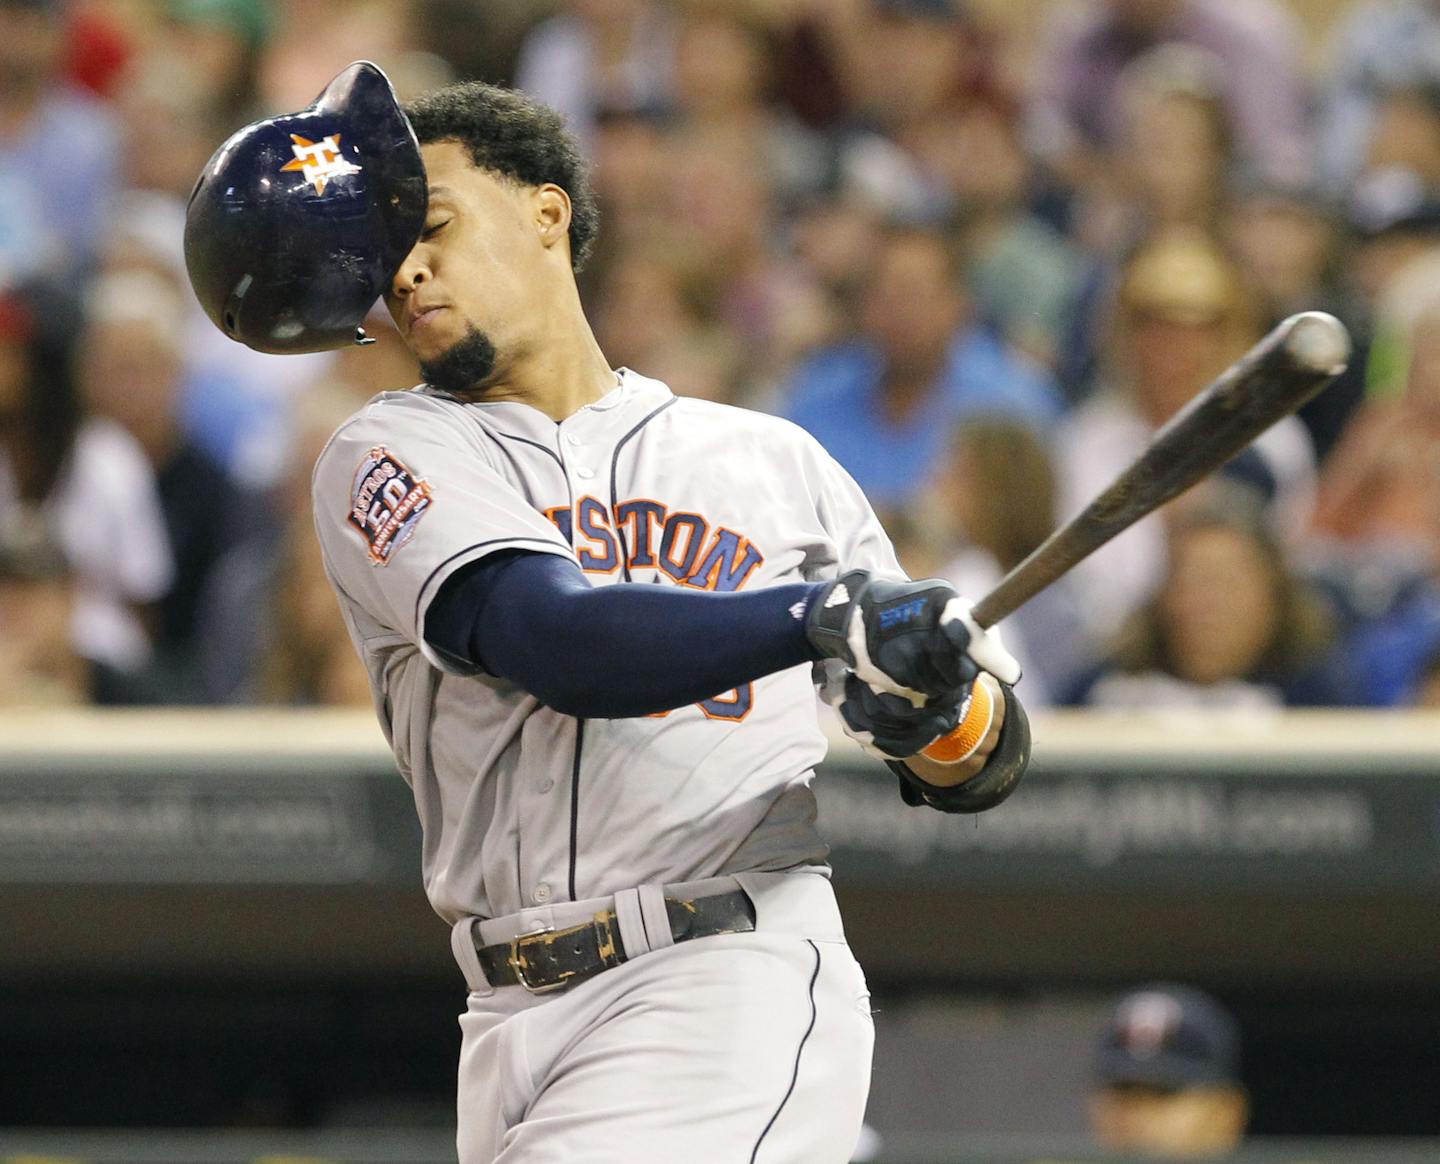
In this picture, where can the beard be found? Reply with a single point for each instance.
(462, 367)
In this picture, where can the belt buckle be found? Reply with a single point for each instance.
(517, 962)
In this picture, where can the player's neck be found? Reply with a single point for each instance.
(558, 377)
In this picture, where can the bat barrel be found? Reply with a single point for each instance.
(1291, 364)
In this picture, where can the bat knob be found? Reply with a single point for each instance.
(1318, 342)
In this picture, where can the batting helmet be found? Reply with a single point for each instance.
(298, 223)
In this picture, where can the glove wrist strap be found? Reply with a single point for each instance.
(825, 621)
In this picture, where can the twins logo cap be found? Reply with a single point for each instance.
(298, 223)
(1169, 1036)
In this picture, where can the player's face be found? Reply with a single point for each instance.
(471, 296)
(1195, 1122)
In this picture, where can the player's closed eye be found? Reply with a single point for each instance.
(434, 228)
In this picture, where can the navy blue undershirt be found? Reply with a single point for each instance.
(610, 652)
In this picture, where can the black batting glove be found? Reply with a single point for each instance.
(912, 639)
(890, 727)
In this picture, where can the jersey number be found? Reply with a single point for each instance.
(733, 705)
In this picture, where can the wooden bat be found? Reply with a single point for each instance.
(1274, 378)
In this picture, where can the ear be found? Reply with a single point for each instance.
(552, 215)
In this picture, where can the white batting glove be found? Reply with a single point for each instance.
(984, 646)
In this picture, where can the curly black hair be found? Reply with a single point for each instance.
(512, 135)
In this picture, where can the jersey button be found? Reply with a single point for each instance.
(540, 894)
(585, 474)
(573, 441)
(549, 784)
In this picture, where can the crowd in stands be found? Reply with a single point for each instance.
(981, 260)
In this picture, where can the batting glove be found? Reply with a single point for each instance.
(890, 727)
(917, 640)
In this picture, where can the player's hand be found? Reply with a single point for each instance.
(916, 640)
(962, 754)
(890, 727)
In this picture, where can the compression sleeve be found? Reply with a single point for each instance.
(611, 652)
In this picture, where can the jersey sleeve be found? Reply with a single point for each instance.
(857, 539)
(402, 503)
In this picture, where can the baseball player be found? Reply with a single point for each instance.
(594, 615)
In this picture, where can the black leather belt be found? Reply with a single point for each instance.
(553, 959)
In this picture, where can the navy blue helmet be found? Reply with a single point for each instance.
(298, 223)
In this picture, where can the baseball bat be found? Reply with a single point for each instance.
(1280, 373)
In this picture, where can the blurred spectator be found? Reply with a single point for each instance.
(1377, 46)
(1405, 132)
(631, 175)
(1181, 317)
(168, 128)
(1172, 158)
(835, 239)
(308, 657)
(222, 42)
(236, 402)
(1382, 484)
(1175, 148)
(1023, 273)
(913, 63)
(600, 56)
(1395, 218)
(885, 402)
(38, 666)
(1427, 689)
(131, 369)
(58, 151)
(996, 491)
(915, 58)
(1286, 239)
(88, 477)
(723, 90)
(312, 40)
(476, 40)
(99, 45)
(1231, 626)
(1077, 115)
(1378, 517)
(722, 212)
(648, 317)
(1168, 170)
(1395, 654)
(1167, 1076)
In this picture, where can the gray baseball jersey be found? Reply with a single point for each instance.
(519, 804)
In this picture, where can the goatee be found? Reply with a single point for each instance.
(465, 365)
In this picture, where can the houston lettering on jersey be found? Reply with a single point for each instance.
(682, 545)
(647, 535)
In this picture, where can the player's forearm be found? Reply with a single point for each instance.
(614, 651)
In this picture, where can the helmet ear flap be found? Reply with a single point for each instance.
(298, 223)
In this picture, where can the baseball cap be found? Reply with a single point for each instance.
(1171, 1036)
(1181, 275)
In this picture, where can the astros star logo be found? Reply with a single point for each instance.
(319, 161)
